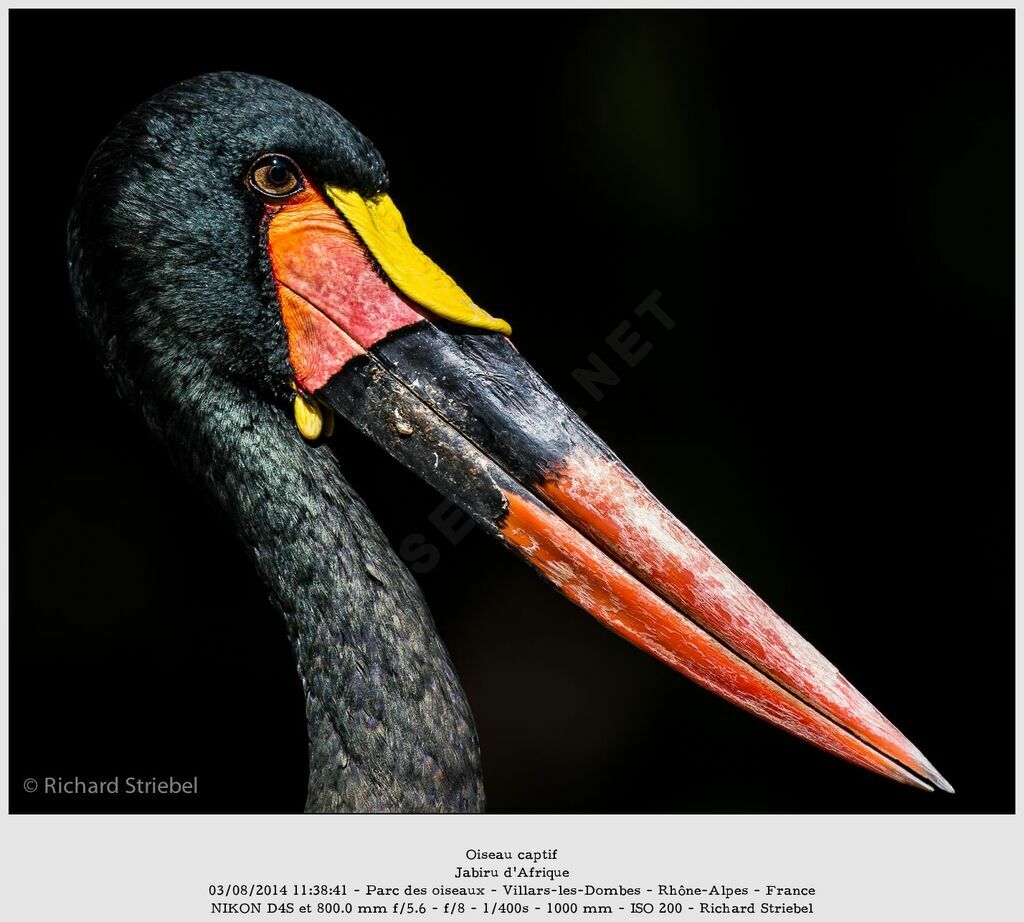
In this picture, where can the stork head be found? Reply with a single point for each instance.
(169, 227)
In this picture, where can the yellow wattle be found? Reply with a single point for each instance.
(309, 418)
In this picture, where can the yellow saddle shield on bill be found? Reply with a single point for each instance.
(380, 226)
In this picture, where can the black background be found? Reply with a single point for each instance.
(824, 201)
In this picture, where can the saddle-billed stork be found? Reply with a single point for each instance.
(236, 258)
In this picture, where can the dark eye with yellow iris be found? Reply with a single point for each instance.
(275, 176)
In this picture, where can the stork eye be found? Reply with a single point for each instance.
(275, 176)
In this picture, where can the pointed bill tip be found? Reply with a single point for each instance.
(914, 759)
(941, 783)
(920, 770)
(916, 782)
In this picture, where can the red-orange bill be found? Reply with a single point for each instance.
(463, 410)
(533, 519)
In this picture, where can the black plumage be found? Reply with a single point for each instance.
(172, 283)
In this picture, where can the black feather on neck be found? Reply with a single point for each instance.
(389, 726)
(171, 283)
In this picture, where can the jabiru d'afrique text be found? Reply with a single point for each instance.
(238, 262)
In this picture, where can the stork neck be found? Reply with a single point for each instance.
(389, 727)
